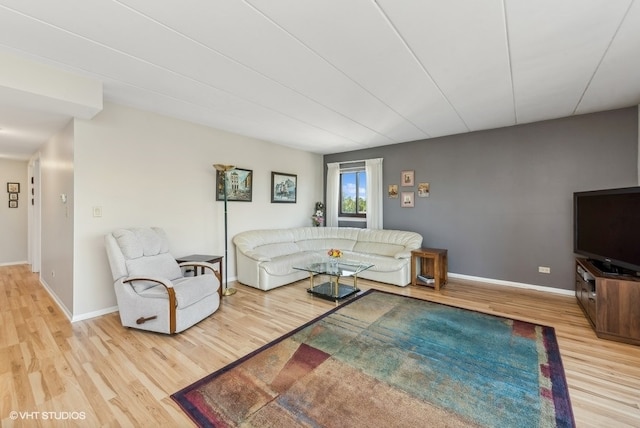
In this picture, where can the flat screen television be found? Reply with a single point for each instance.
(607, 228)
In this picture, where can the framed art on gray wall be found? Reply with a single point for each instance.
(407, 199)
(423, 190)
(407, 178)
(392, 191)
(284, 187)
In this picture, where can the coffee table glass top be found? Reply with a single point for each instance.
(334, 290)
(341, 268)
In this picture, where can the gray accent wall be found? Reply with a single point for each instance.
(501, 200)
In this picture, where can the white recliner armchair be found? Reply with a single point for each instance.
(152, 292)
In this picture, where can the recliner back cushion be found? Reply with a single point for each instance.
(138, 242)
(146, 253)
(162, 266)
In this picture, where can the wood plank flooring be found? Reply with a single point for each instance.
(97, 373)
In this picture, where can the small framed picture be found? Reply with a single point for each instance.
(239, 184)
(284, 188)
(407, 178)
(393, 191)
(13, 204)
(423, 190)
(13, 196)
(13, 187)
(407, 199)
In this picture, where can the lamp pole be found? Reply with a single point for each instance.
(223, 172)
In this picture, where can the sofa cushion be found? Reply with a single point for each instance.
(278, 249)
(284, 265)
(388, 250)
(400, 243)
(380, 263)
(321, 244)
(311, 233)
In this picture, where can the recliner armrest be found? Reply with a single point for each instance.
(162, 281)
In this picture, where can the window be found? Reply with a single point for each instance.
(353, 193)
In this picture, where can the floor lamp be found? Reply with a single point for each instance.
(223, 173)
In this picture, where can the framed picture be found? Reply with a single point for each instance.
(13, 204)
(13, 187)
(407, 200)
(423, 190)
(407, 178)
(392, 191)
(239, 184)
(13, 196)
(284, 187)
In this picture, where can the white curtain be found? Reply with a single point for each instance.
(373, 168)
(333, 193)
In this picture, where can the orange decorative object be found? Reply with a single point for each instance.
(334, 252)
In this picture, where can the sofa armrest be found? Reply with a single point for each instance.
(257, 256)
(404, 254)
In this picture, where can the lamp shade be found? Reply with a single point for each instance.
(224, 168)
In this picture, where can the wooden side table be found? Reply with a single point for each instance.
(203, 258)
(433, 262)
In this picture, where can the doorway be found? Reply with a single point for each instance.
(34, 213)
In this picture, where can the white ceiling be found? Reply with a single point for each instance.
(331, 75)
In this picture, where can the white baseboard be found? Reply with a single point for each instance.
(88, 315)
(55, 298)
(94, 314)
(74, 318)
(24, 262)
(513, 284)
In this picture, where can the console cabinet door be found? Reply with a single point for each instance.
(618, 311)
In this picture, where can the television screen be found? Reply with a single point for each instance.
(607, 226)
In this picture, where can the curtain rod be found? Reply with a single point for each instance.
(354, 161)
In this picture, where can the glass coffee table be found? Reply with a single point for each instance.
(334, 290)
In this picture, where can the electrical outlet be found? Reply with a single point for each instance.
(544, 269)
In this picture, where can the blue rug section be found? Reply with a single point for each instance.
(488, 369)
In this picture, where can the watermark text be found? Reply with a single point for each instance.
(44, 416)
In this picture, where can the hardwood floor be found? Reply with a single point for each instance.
(97, 373)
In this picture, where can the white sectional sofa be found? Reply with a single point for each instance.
(265, 258)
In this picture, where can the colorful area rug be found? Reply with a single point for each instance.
(392, 361)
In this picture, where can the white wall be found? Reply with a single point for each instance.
(13, 221)
(144, 169)
(56, 172)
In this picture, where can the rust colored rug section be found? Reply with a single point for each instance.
(382, 359)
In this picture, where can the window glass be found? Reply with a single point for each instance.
(353, 194)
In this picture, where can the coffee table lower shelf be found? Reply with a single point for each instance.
(328, 291)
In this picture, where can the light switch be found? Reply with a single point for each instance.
(97, 211)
